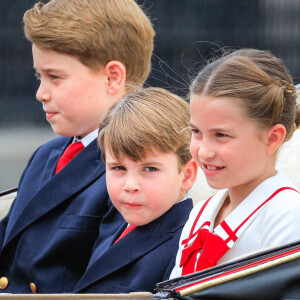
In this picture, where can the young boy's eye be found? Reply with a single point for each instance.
(150, 169)
(118, 168)
(220, 134)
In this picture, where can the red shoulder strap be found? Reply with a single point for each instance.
(192, 233)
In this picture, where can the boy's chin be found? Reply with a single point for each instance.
(61, 132)
(136, 222)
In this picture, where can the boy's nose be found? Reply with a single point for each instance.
(131, 184)
(42, 94)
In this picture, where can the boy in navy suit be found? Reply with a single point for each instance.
(87, 54)
(145, 145)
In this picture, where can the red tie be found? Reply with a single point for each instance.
(127, 230)
(71, 151)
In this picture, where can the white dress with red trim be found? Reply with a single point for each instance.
(268, 216)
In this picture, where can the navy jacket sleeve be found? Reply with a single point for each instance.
(139, 260)
(49, 233)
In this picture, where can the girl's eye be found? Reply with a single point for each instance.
(150, 169)
(196, 131)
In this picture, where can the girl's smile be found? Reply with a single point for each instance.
(211, 170)
(229, 147)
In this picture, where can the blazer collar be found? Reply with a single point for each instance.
(84, 169)
(149, 237)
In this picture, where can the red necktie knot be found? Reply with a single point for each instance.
(127, 230)
(71, 151)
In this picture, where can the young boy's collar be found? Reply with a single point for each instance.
(87, 139)
(182, 200)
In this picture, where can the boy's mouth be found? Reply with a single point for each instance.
(49, 115)
(132, 205)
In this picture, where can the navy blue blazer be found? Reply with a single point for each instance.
(138, 261)
(48, 235)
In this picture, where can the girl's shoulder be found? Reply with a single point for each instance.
(280, 221)
(286, 201)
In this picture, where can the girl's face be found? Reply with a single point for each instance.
(227, 145)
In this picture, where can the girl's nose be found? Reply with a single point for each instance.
(205, 150)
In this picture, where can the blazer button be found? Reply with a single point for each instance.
(33, 288)
(3, 283)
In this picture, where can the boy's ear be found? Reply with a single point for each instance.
(116, 77)
(275, 138)
(189, 175)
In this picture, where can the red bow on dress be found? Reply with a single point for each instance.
(209, 246)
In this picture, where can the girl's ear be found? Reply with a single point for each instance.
(189, 174)
(115, 72)
(275, 138)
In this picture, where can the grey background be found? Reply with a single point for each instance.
(187, 33)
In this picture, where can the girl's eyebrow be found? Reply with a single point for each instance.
(213, 129)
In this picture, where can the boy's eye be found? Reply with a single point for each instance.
(220, 134)
(53, 77)
(150, 169)
(37, 75)
(118, 168)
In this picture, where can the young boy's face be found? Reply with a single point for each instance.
(73, 97)
(144, 190)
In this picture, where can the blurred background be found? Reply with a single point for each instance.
(188, 32)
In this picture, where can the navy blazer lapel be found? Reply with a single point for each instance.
(41, 174)
(71, 179)
(134, 245)
(54, 156)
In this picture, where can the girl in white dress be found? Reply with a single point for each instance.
(243, 107)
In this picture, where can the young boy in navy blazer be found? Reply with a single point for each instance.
(87, 54)
(145, 145)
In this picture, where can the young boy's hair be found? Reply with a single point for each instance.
(146, 120)
(95, 32)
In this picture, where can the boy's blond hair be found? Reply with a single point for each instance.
(146, 120)
(95, 32)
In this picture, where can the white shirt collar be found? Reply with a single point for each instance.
(87, 139)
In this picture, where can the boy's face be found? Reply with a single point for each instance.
(144, 190)
(73, 97)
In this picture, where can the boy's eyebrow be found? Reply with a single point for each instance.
(113, 162)
(145, 163)
(48, 70)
